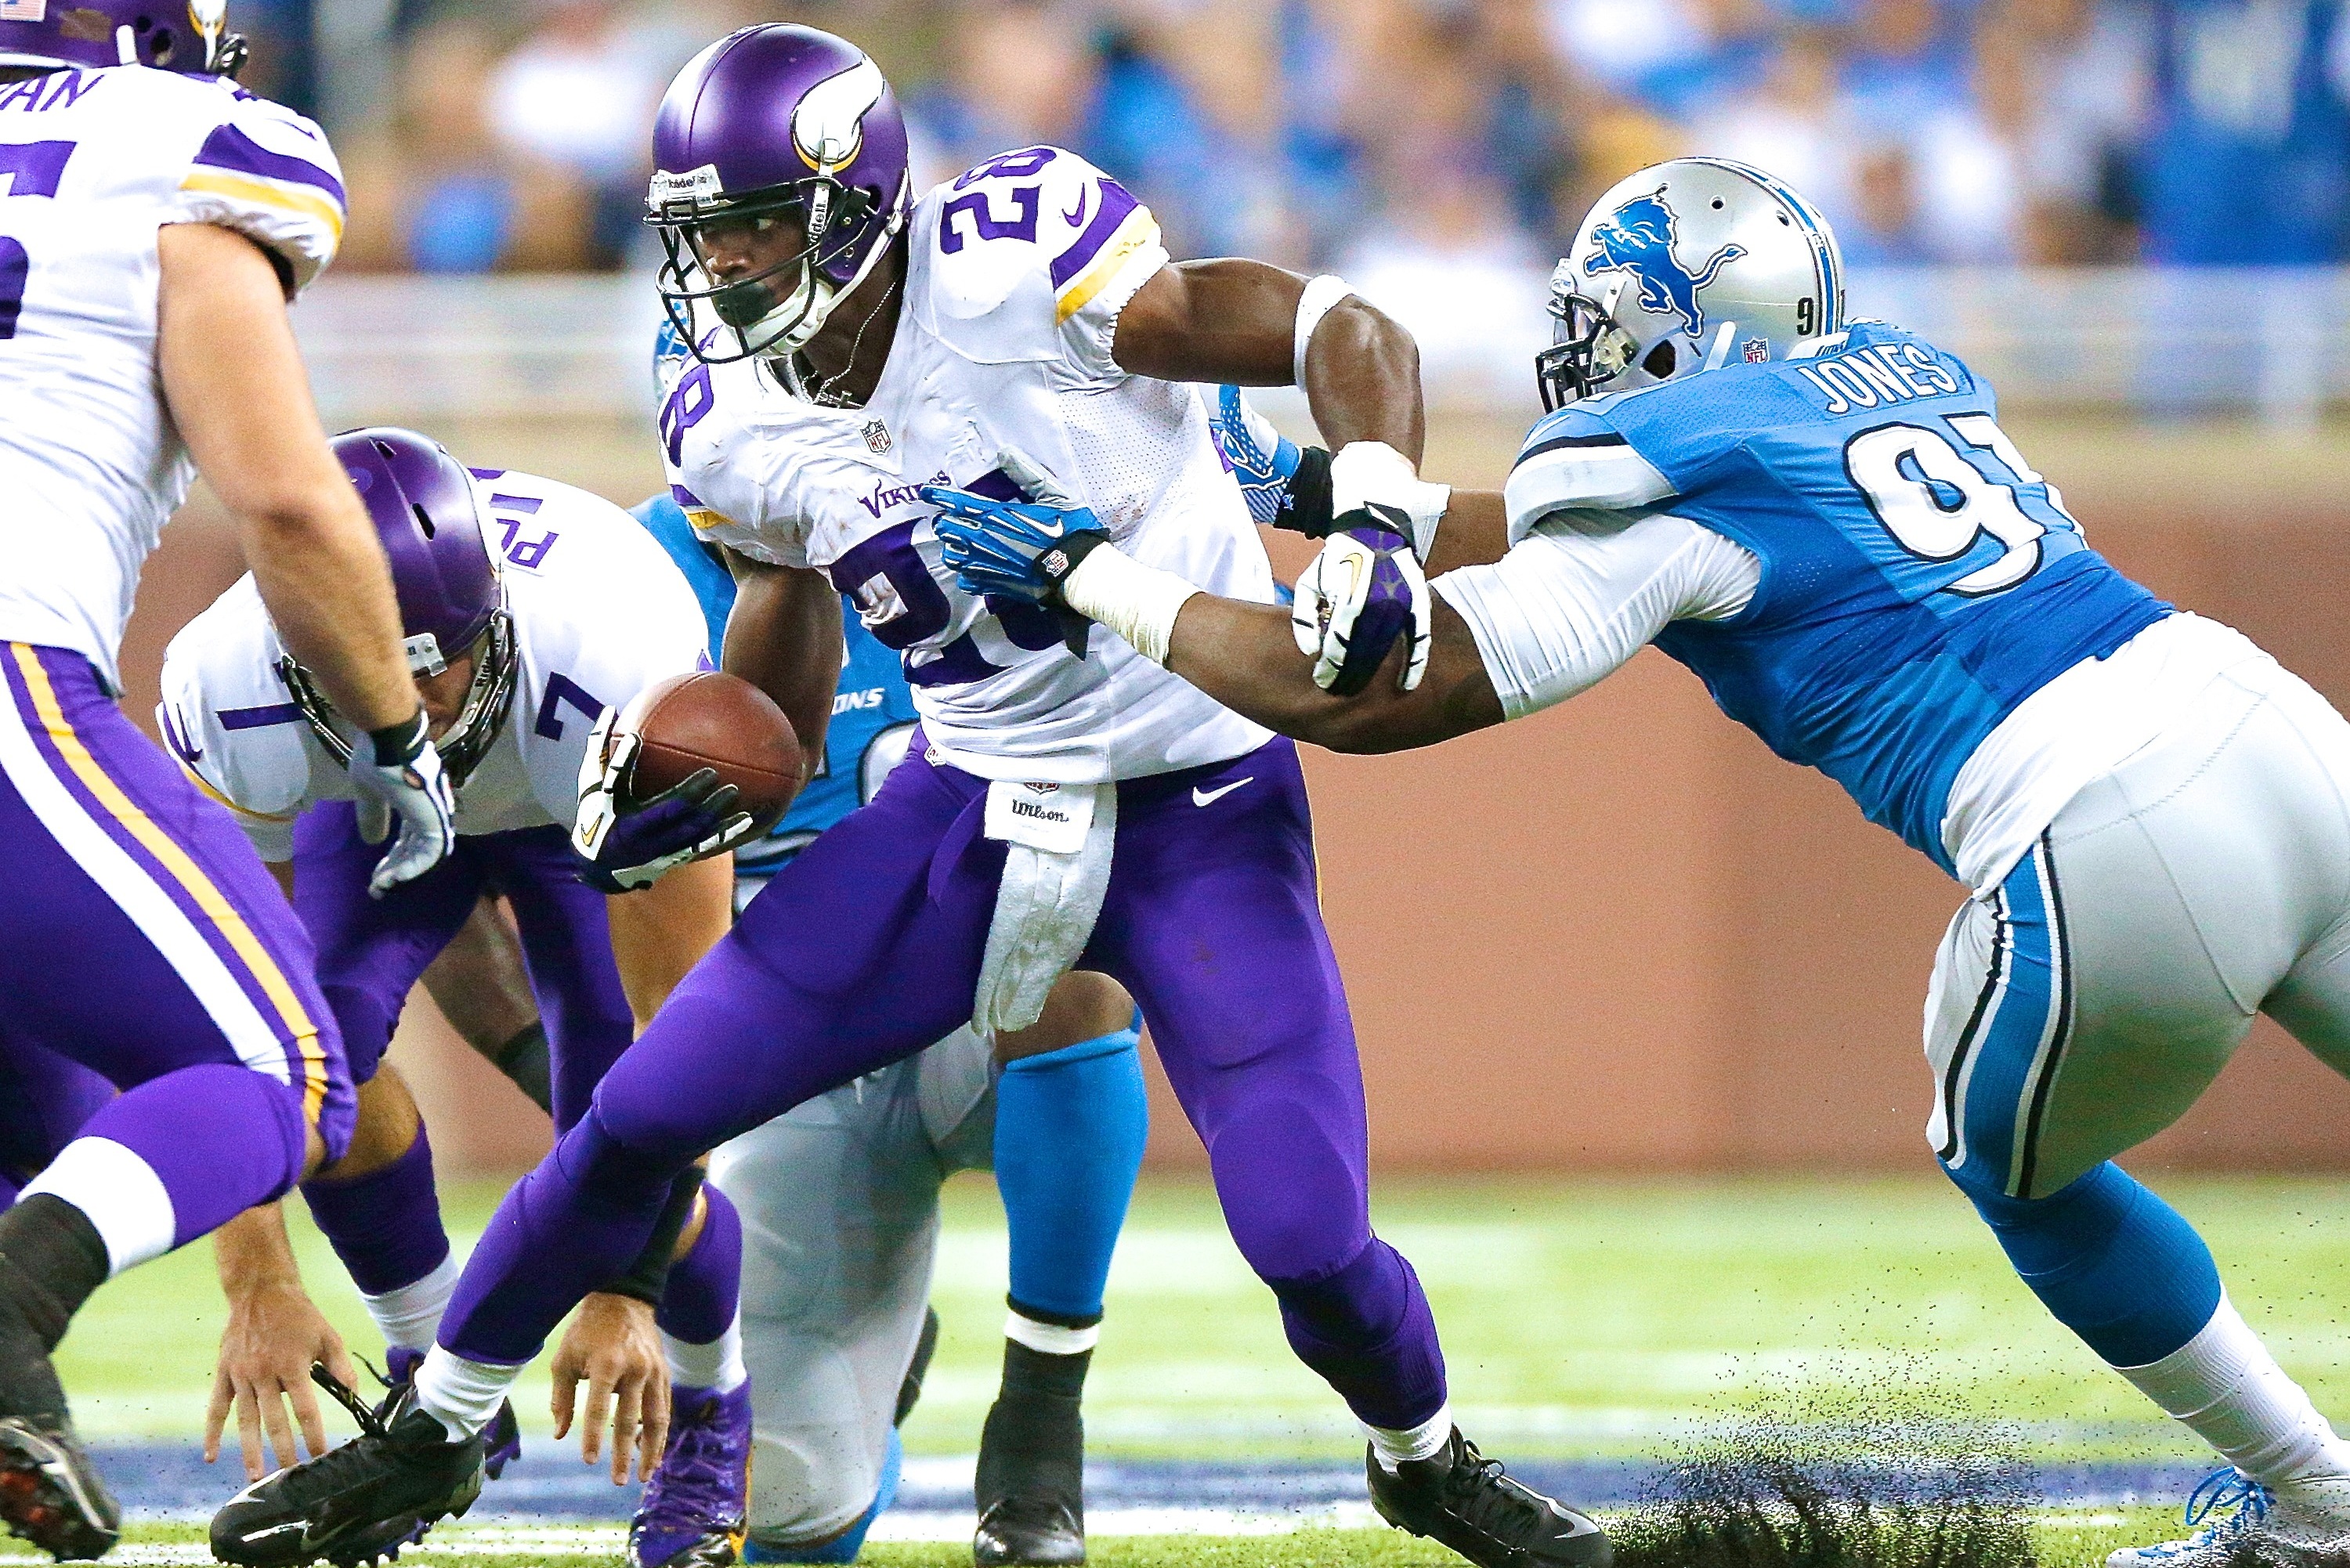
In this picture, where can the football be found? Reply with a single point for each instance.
(713, 720)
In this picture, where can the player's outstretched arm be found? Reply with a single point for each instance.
(274, 1335)
(784, 636)
(235, 383)
(241, 399)
(1238, 321)
(1245, 657)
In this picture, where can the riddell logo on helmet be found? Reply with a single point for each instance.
(701, 184)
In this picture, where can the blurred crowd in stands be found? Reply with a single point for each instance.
(1465, 137)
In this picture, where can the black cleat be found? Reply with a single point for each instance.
(1031, 1462)
(909, 1392)
(50, 1494)
(1461, 1499)
(362, 1501)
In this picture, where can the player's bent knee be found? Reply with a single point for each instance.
(613, 1170)
(2113, 1262)
(386, 1128)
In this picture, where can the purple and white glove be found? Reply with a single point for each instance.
(397, 778)
(1362, 593)
(623, 848)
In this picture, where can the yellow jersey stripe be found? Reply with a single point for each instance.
(183, 870)
(284, 196)
(1139, 229)
(205, 785)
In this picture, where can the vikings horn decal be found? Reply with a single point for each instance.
(1639, 238)
(829, 125)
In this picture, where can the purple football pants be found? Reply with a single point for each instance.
(372, 951)
(867, 948)
(386, 1225)
(141, 940)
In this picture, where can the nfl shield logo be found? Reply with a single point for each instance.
(1758, 350)
(876, 435)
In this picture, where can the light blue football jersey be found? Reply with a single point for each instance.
(872, 711)
(1918, 578)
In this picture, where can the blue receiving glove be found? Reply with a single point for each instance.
(1285, 484)
(1014, 549)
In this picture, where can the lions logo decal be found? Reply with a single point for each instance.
(1639, 237)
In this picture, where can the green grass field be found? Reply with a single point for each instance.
(1581, 1317)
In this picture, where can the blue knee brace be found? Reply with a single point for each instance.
(2117, 1264)
(1069, 1130)
(843, 1547)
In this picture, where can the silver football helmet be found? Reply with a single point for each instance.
(1688, 265)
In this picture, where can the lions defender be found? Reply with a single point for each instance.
(1825, 521)
(533, 613)
(155, 222)
(844, 1189)
(1066, 802)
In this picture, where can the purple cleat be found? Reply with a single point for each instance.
(500, 1439)
(692, 1514)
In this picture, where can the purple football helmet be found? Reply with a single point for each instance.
(771, 121)
(122, 33)
(451, 601)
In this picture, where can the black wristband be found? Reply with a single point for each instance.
(396, 745)
(1055, 564)
(524, 1061)
(649, 1274)
(1306, 506)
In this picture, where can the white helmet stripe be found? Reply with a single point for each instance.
(829, 122)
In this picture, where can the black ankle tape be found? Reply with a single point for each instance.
(51, 1259)
(1032, 1372)
(648, 1274)
(524, 1061)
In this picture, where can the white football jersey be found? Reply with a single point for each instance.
(600, 610)
(1017, 273)
(96, 162)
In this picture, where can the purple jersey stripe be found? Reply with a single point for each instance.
(257, 717)
(230, 148)
(686, 498)
(487, 472)
(1115, 206)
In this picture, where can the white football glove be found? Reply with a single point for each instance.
(398, 774)
(1362, 592)
(1373, 474)
(695, 819)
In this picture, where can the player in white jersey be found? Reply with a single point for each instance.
(1832, 530)
(534, 613)
(155, 220)
(1068, 803)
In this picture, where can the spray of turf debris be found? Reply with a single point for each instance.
(1859, 1477)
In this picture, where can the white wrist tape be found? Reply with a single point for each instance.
(1138, 602)
(1321, 294)
(1366, 471)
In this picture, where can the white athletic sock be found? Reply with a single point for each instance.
(1050, 1338)
(409, 1316)
(1394, 1445)
(717, 1366)
(118, 1193)
(462, 1395)
(2225, 1387)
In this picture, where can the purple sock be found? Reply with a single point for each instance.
(221, 1138)
(705, 1285)
(1367, 1329)
(386, 1225)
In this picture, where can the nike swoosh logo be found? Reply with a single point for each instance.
(1077, 217)
(1210, 796)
